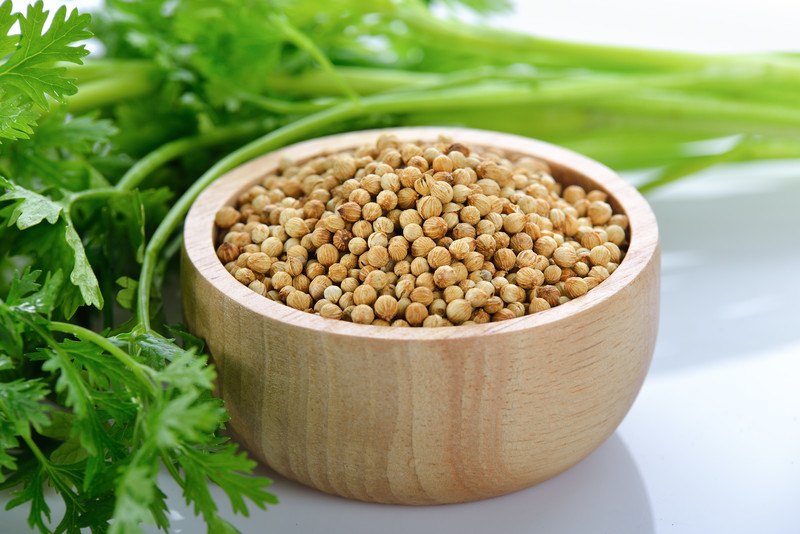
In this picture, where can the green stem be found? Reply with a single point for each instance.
(749, 149)
(286, 107)
(110, 90)
(140, 371)
(92, 194)
(302, 42)
(713, 109)
(169, 151)
(26, 437)
(94, 69)
(514, 47)
(174, 149)
(363, 80)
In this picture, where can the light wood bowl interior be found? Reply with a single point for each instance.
(422, 415)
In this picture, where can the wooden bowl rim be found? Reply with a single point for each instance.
(200, 250)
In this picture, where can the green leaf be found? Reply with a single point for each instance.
(7, 42)
(77, 395)
(17, 117)
(190, 341)
(20, 408)
(28, 210)
(22, 285)
(61, 153)
(20, 403)
(30, 68)
(244, 41)
(77, 134)
(150, 347)
(189, 370)
(60, 426)
(82, 274)
(30, 73)
(139, 499)
(126, 296)
(33, 492)
(69, 452)
(27, 294)
(227, 468)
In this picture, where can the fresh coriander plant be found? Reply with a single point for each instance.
(100, 161)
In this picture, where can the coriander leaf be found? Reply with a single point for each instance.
(184, 419)
(100, 370)
(189, 370)
(29, 72)
(54, 246)
(82, 274)
(139, 500)
(31, 208)
(30, 69)
(17, 117)
(60, 154)
(227, 468)
(69, 452)
(244, 41)
(33, 492)
(77, 395)
(10, 338)
(22, 285)
(189, 341)
(150, 347)
(77, 134)
(20, 403)
(126, 296)
(26, 294)
(7, 42)
(20, 407)
(60, 425)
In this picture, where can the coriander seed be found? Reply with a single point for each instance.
(420, 234)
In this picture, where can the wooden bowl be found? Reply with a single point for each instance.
(425, 415)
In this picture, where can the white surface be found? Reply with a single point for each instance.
(713, 442)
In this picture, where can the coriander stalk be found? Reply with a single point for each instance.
(748, 149)
(105, 91)
(169, 151)
(514, 47)
(370, 80)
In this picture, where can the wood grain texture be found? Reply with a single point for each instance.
(421, 415)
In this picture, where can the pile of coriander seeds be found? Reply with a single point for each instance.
(420, 234)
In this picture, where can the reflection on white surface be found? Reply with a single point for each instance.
(604, 493)
(719, 444)
(730, 244)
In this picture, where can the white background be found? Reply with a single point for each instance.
(713, 442)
